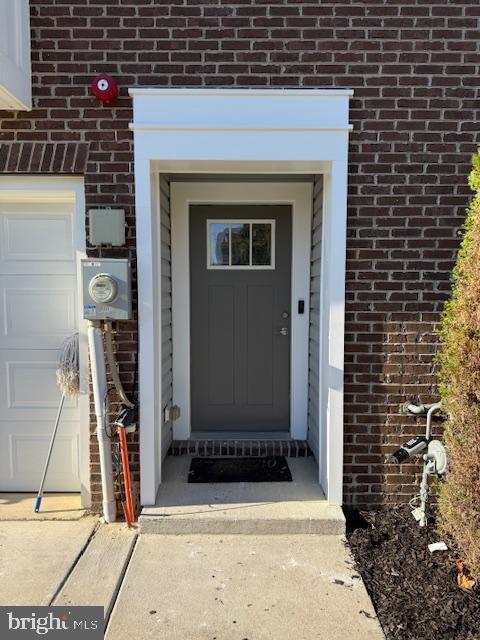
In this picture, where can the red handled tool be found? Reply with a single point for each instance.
(123, 424)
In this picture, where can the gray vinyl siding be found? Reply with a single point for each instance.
(166, 293)
(314, 332)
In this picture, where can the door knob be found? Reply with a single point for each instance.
(283, 332)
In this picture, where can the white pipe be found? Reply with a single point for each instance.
(428, 466)
(112, 365)
(417, 409)
(424, 493)
(99, 381)
(435, 407)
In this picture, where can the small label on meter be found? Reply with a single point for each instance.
(89, 309)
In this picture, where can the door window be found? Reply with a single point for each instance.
(241, 244)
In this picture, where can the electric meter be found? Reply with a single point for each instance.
(103, 288)
(107, 291)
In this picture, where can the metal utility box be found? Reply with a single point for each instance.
(107, 289)
(107, 226)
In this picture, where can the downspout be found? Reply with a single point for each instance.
(99, 382)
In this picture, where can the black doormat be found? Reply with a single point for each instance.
(267, 469)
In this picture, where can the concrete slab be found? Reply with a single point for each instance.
(242, 587)
(97, 576)
(243, 507)
(55, 506)
(35, 557)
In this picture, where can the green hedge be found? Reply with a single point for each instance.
(459, 359)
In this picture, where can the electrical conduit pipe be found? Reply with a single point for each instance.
(112, 365)
(99, 381)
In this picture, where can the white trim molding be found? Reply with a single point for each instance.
(15, 64)
(299, 196)
(223, 131)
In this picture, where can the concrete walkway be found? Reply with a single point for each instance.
(35, 557)
(99, 572)
(242, 587)
(195, 587)
(55, 506)
(63, 563)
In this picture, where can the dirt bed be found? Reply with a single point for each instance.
(414, 592)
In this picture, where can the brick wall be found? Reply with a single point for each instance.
(414, 67)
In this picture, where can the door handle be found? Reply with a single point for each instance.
(283, 332)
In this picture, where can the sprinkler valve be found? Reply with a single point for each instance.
(409, 449)
(434, 458)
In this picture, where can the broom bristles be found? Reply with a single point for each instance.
(68, 372)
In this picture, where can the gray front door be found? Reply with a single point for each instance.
(240, 270)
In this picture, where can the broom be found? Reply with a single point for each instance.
(68, 379)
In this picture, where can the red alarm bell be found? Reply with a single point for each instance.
(104, 88)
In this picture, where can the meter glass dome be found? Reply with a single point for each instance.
(103, 288)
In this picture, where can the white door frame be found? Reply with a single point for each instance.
(242, 131)
(299, 196)
(58, 189)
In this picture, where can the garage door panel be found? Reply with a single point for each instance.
(36, 239)
(38, 312)
(28, 386)
(23, 454)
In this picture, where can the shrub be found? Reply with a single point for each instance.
(459, 359)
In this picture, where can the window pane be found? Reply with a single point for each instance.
(219, 232)
(240, 244)
(262, 244)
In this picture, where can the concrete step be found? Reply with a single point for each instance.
(246, 518)
(98, 574)
(297, 507)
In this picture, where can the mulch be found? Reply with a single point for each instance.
(415, 592)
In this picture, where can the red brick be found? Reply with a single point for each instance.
(414, 116)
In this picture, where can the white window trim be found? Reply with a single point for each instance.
(52, 190)
(15, 62)
(238, 267)
(242, 131)
(299, 196)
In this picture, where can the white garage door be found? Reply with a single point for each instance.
(38, 311)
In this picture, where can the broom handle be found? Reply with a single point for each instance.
(47, 461)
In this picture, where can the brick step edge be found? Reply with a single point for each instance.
(240, 448)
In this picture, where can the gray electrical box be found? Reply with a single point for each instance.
(107, 289)
(107, 226)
